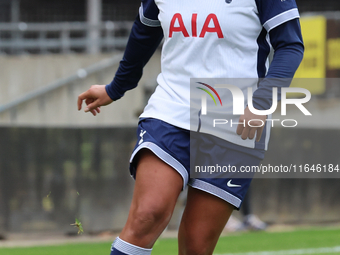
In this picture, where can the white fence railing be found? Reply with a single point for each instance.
(63, 37)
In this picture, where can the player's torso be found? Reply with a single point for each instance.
(215, 38)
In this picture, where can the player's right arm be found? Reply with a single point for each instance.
(146, 35)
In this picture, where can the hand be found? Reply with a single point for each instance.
(257, 125)
(95, 97)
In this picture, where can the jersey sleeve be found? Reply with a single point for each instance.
(143, 42)
(273, 13)
(287, 42)
(148, 13)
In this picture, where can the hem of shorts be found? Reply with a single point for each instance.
(216, 191)
(164, 156)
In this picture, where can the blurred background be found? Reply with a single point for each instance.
(57, 164)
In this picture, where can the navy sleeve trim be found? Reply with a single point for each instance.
(281, 18)
(146, 21)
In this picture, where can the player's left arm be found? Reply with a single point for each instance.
(287, 43)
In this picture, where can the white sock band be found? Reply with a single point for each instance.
(129, 249)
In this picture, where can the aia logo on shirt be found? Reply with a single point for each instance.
(177, 26)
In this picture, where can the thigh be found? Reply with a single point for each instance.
(157, 188)
(203, 220)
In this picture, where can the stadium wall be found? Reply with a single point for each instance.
(297, 200)
(24, 74)
(50, 176)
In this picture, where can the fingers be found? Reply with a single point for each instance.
(249, 132)
(92, 106)
(255, 126)
(249, 129)
(79, 103)
(81, 97)
(240, 127)
(251, 125)
(245, 133)
(92, 103)
(94, 97)
(89, 104)
(259, 134)
(252, 132)
(95, 111)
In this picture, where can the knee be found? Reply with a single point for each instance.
(149, 214)
(148, 218)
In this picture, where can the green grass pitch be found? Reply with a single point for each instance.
(311, 238)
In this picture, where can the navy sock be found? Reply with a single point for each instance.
(116, 252)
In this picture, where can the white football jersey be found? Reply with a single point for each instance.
(210, 39)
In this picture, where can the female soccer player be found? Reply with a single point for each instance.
(213, 39)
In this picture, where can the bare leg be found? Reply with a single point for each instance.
(156, 191)
(203, 220)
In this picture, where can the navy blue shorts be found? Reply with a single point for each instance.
(172, 145)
